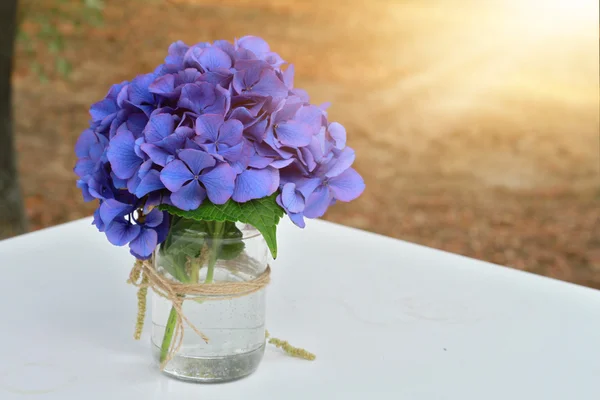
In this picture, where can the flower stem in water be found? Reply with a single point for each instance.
(212, 260)
(169, 329)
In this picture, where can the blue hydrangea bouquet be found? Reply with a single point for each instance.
(216, 135)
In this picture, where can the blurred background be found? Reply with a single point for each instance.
(476, 123)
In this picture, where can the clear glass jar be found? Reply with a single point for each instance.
(207, 252)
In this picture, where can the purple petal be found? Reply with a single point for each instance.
(154, 218)
(111, 208)
(311, 116)
(157, 155)
(221, 103)
(260, 162)
(257, 129)
(293, 134)
(176, 52)
(85, 167)
(282, 163)
(207, 127)
(196, 160)
(122, 232)
(145, 243)
(255, 184)
(338, 134)
(85, 192)
(297, 219)
(85, 141)
(291, 200)
(138, 89)
(149, 183)
(219, 76)
(122, 157)
(195, 97)
(103, 109)
(288, 77)
(159, 127)
(189, 197)
(347, 186)
(175, 174)
(341, 163)
(317, 202)
(230, 132)
(219, 183)
(255, 44)
(307, 158)
(232, 153)
(270, 85)
(307, 186)
(212, 58)
(165, 85)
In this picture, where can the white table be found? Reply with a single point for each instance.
(387, 320)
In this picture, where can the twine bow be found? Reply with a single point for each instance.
(143, 275)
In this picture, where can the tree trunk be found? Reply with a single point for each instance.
(12, 218)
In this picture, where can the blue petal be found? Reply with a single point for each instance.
(165, 85)
(221, 103)
(85, 167)
(189, 197)
(291, 200)
(317, 202)
(282, 163)
(175, 174)
(230, 132)
(347, 186)
(207, 127)
(288, 76)
(149, 183)
(157, 155)
(138, 89)
(212, 58)
(293, 134)
(338, 165)
(85, 190)
(196, 96)
(111, 208)
(145, 243)
(84, 142)
(196, 160)
(311, 116)
(297, 219)
(233, 153)
(122, 157)
(338, 134)
(255, 44)
(154, 218)
(122, 232)
(219, 183)
(103, 109)
(270, 85)
(255, 184)
(159, 127)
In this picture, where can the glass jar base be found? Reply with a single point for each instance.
(212, 369)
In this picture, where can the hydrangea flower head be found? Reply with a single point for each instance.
(215, 122)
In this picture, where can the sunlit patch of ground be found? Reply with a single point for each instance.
(476, 123)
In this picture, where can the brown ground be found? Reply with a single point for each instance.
(475, 132)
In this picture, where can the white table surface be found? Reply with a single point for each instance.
(387, 320)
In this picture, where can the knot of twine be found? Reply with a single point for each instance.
(143, 275)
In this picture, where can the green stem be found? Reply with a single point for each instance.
(169, 330)
(214, 250)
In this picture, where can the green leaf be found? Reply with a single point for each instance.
(263, 214)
